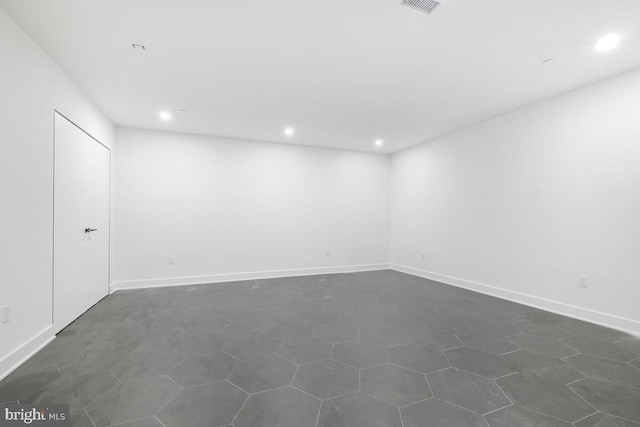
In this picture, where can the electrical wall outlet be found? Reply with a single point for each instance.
(327, 253)
(583, 281)
(422, 255)
(172, 260)
(6, 314)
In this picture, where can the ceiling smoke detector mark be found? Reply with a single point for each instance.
(426, 6)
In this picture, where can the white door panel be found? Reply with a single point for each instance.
(81, 201)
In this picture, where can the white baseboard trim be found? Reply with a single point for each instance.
(235, 277)
(609, 320)
(13, 360)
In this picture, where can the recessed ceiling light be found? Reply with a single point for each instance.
(608, 42)
(165, 116)
(289, 131)
(379, 142)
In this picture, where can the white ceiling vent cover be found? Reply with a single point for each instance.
(426, 6)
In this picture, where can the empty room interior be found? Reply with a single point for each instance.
(349, 213)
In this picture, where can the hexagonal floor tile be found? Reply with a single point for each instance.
(393, 384)
(403, 321)
(360, 354)
(327, 379)
(590, 330)
(620, 401)
(519, 416)
(495, 344)
(22, 382)
(434, 412)
(305, 350)
(479, 362)
(605, 420)
(417, 358)
(290, 330)
(383, 335)
(542, 345)
(549, 331)
(541, 366)
(470, 391)
(283, 407)
(601, 349)
(132, 400)
(606, 370)
(434, 339)
(551, 398)
(213, 405)
(335, 333)
(253, 346)
(358, 410)
(243, 327)
(202, 369)
(261, 374)
(146, 363)
(75, 390)
(203, 343)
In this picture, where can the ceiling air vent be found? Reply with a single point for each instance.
(426, 6)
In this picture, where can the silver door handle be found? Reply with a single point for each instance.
(89, 230)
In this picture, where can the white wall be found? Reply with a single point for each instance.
(31, 87)
(522, 205)
(229, 207)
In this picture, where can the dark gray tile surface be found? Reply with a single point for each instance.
(478, 362)
(213, 405)
(542, 345)
(358, 410)
(284, 407)
(133, 400)
(305, 350)
(496, 344)
(605, 420)
(541, 366)
(610, 398)
(256, 375)
(470, 391)
(606, 370)
(417, 358)
(518, 416)
(434, 412)
(395, 385)
(335, 333)
(327, 379)
(600, 349)
(204, 368)
(550, 398)
(360, 354)
(253, 346)
(199, 350)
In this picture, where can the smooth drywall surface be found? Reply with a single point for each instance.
(31, 88)
(195, 209)
(526, 204)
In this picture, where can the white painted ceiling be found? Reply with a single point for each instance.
(342, 72)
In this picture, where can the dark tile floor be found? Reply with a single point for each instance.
(379, 349)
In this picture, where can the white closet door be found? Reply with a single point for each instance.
(81, 222)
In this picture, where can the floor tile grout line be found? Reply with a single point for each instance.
(499, 409)
(89, 416)
(584, 418)
(241, 407)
